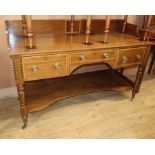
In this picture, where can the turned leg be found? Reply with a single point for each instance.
(23, 109)
(152, 62)
(138, 80)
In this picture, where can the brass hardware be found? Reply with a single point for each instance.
(124, 58)
(34, 68)
(82, 58)
(138, 57)
(56, 66)
(105, 55)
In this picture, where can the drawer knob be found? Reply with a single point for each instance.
(105, 55)
(56, 66)
(138, 57)
(82, 58)
(125, 59)
(34, 68)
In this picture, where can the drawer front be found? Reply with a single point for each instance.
(83, 57)
(131, 56)
(93, 55)
(104, 55)
(35, 68)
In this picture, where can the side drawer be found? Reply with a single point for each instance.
(130, 56)
(41, 67)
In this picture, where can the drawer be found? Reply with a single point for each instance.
(93, 56)
(42, 67)
(82, 57)
(105, 55)
(131, 56)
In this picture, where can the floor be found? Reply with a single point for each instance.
(95, 115)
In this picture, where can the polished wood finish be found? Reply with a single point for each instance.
(24, 25)
(140, 74)
(29, 31)
(124, 23)
(57, 57)
(40, 67)
(23, 108)
(50, 91)
(72, 26)
(146, 27)
(131, 56)
(63, 26)
(147, 32)
(106, 29)
(152, 60)
(88, 29)
(92, 57)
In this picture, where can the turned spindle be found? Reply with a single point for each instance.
(24, 25)
(144, 23)
(124, 23)
(88, 26)
(29, 31)
(106, 29)
(72, 24)
(146, 27)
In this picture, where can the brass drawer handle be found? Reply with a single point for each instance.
(82, 58)
(105, 55)
(34, 68)
(56, 66)
(125, 59)
(138, 57)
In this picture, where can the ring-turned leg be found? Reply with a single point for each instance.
(23, 109)
(138, 81)
(152, 62)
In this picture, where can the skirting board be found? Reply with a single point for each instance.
(8, 92)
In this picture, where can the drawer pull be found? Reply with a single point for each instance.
(124, 58)
(56, 66)
(82, 58)
(105, 55)
(34, 68)
(138, 57)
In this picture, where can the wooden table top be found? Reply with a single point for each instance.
(51, 43)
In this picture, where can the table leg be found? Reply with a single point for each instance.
(138, 80)
(23, 108)
(152, 62)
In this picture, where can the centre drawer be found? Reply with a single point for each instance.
(41, 67)
(93, 56)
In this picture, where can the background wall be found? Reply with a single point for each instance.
(6, 69)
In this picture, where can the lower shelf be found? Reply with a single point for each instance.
(41, 94)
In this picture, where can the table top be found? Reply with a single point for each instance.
(51, 43)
